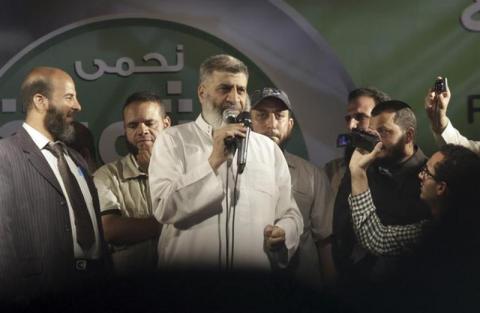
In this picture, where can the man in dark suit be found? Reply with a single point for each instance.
(51, 239)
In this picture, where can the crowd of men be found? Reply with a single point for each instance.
(180, 200)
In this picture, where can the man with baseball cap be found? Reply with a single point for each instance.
(272, 116)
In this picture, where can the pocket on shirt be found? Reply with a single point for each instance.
(258, 196)
(261, 180)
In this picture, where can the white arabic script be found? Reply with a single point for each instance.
(125, 66)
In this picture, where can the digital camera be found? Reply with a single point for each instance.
(359, 139)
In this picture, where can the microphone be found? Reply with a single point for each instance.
(229, 117)
(242, 142)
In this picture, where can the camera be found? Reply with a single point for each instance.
(440, 85)
(359, 139)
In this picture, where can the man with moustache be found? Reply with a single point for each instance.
(439, 256)
(361, 102)
(395, 191)
(212, 218)
(313, 263)
(448, 187)
(51, 235)
(127, 214)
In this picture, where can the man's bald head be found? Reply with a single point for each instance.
(50, 99)
(40, 81)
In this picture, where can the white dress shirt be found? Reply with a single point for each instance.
(41, 141)
(190, 199)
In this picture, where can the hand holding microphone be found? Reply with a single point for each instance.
(227, 139)
(223, 138)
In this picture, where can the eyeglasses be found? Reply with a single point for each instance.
(426, 172)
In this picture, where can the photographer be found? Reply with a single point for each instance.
(436, 104)
(447, 183)
(395, 190)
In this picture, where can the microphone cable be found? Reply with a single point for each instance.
(227, 222)
(234, 210)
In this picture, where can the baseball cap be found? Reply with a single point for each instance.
(268, 92)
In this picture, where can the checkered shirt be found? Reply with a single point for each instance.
(377, 238)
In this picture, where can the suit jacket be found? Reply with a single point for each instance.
(36, 248)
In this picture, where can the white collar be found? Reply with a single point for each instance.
(38, 138)
(204, 126)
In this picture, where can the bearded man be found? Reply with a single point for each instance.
(51, 236)
(395, 188)
(312, 265)
(213, 218)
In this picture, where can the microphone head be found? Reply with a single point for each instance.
(245, 118)
(229, 116)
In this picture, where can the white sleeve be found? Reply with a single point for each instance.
(451, 135)
(178, 196)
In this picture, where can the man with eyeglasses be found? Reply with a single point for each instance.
(361, 102)
(394, 186)
(447, 181)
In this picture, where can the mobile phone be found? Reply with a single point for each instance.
(440, 85)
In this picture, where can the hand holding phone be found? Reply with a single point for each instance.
(436, 103)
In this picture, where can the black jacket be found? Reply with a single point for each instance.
(395, 191)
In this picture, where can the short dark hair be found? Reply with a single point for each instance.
(221, 63)
(41, 84)
(404, 116)
(372, 92)
(144, 96)
(460, 169)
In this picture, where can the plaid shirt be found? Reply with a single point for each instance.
(377, 238)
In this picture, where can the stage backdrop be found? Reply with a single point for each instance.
(315, 50)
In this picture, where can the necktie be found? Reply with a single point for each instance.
(83, 223)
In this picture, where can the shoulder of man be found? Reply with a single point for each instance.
(6, 143)
(179, 128)
(334, 164)
(11, 145)
(113, 168)
(263, 140)
(177, 132)
(295, 160)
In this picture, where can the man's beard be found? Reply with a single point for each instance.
(213, 114)
(282, 143)
(57, 125)
(131, 147)
(396, 153)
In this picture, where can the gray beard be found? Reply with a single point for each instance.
(213, 117)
